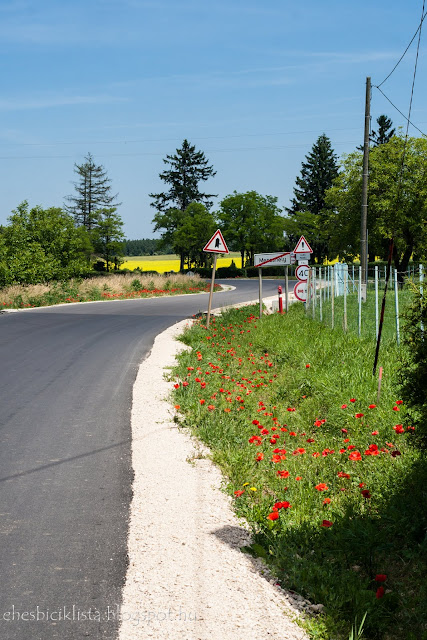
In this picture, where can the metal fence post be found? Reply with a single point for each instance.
(396, 302)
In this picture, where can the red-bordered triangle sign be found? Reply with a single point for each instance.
(216, 244)
(303, 246)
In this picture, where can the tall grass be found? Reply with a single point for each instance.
(324, 473)
(109, 287)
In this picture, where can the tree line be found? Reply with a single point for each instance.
(40, 244)
(325, 208)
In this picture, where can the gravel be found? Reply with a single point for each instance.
(187, 578)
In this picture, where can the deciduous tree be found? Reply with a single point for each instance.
(251, 222)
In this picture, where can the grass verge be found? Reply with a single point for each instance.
(325, 474)
(111, 287)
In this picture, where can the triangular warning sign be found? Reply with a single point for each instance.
(303, 246)
(216, 244)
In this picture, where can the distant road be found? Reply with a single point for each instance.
(66, 377)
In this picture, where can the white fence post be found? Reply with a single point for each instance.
(396, 302)
(376, 302)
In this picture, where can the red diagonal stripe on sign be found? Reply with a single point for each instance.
(272, 259)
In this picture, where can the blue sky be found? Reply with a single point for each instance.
(250, 83)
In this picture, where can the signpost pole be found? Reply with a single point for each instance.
(286, 289)
(211, 291)
(260, 291)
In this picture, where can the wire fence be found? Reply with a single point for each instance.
(336, 297)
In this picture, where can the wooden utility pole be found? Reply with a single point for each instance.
(363, 224)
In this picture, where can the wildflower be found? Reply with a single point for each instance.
(395, 453)
(298, 478)
(341, 474)
(366, 493)
(372, 406)
(211, 407)
(326, 524)
(399, 428)
(352, 399)
(177, 406)
(355, 455)
(253, 489)
(239, 493)
(176, 386)
(307, 366)
(283, 474)
(327, 501)
(344, 431)
(273, 516)
(259, 457)
(343, 406)
(375, 433)
(380, 577)
(322, 487)
(399, 401)
(395, 409)
(359, 415)
(380, 592)
(202, 401)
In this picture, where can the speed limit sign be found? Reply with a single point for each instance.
(301, 272)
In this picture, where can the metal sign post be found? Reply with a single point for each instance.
(211, 291)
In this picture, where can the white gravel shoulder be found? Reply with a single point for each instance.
(187, 578)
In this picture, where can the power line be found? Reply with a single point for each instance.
(402, 114)
(136, 140)
(145, 153)
(404, 53)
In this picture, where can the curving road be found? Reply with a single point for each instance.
(66, 377)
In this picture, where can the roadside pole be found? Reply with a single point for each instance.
(215, 245)
(286, 289)
(260, 291)
(211, 291)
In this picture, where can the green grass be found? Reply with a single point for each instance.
(245, 389)
(368, 321)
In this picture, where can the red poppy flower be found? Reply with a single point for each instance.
(307, 366)
(239, 493)
(176, 386)
(298, 478)
(273, 516)
(211, 407)
(396, 409)
(343, 406)
(283, 474)
(259, 457)
(395, 453)
(326, 523)
(380, 577)
(341, 474)
(355, 455)
(375, 433)
(352, 399)
(316, 454)
(372, 406)
(327, 501)
(322, 486)
(380, 592)
(399, 428)
(344, 431)
(399, 401)
(366, 493)
(359, 415)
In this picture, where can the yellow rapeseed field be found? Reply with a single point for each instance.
(170, 262)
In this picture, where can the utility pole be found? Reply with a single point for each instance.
(363, 224)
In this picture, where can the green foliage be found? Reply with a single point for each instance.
(145, 247)
(307, 213)
(195, 229)
(251, 223)
(41, 244)
(107, 237)
(413, 373)
(316, 416)
(397, 203)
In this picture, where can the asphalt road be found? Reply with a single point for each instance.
(66, 377)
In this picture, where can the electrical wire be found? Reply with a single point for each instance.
(406, 50)
(402, 114)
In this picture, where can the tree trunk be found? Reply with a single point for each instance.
(242, 253)
(401, 264)
(181, 261)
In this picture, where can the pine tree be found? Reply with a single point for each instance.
(385, 132)
(308, 204)
(188, 167)
(93, 194)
